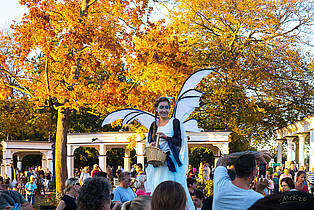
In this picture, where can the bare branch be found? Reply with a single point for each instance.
(204, 26)
(92, 2)
(23, 89)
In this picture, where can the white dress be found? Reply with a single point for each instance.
(156, 175)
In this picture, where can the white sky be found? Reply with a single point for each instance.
(10, 10)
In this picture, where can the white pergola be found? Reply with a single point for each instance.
(293, 132)
(218, 141)
(23, 148)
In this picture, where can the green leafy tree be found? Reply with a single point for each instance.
(200, 154)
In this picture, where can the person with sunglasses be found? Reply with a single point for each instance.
(173, 141)
(287, 184)
(124, 192)
(71, 190)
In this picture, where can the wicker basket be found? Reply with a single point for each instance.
(155, 156)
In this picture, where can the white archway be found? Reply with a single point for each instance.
(293, 132)
(22, 149)
(218, 140)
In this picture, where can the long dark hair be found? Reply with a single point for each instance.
(299, 174)
(158, 100)
(289, 182)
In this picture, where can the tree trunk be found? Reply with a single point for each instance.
(60, 150)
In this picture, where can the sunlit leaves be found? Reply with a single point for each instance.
(265, 81)
(132, 142)
(19, 121)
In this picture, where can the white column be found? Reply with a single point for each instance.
(218, 152)
(8, 167)
(49, 158)
(102, 158)
(225, 149)
(70, 161)
(2, 169)
(7, 161)
(44, 161)
(140, 152)
(289, 149)
(127, 163)
(279, 153)
(19, 163)
(311, 149)
(301, 148)
(294, 151)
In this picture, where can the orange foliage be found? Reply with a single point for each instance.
(159, 66)
(132, 142)
(265, 79)
(93, 35)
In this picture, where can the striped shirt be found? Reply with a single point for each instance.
(310, 177)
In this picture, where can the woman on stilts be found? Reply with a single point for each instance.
(173, 141)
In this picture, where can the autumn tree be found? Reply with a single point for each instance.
(69, 54)
(159, 66)
(266, 80)
(19, 121)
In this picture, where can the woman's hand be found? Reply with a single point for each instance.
(261, 184)
(262, 155)
(162, 135)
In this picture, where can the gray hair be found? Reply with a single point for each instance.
(69, 183)
(139, 180)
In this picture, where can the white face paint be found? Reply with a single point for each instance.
(163, 109)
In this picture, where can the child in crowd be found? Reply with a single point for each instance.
(30, 189)
(198, 199)
(271, 185)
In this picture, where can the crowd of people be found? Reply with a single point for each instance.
(240, 180)
(41, 179)
(20, 190)
(238, 184)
